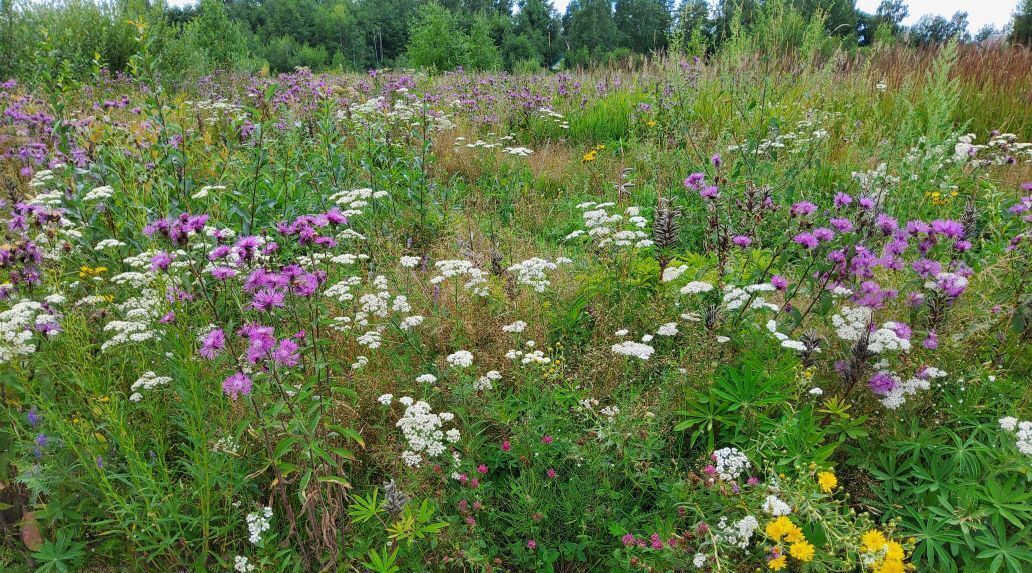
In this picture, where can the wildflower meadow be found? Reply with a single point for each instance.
(765, 307)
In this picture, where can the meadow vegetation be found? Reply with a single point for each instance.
(764, 308)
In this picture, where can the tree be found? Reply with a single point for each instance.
(892, 12)
(481, 51)
(589, 25)
(937, 30)
(1022, 32)
(222, 40)
(538, 26)
(986, 32)
(435, 40)
(644, 24)
(693, 26)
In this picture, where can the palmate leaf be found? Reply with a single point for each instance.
(1008, 500)
(383, 562)
(365, 508)
(937, 542)
(1011, 554)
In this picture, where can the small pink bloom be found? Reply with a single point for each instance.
(547, 440)
(531, 544)
(551, 473)
(482, 469)
(506, 446)
(710, 469)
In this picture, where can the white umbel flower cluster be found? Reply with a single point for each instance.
(774, 506)
(140, 314)
(242, 565)
(730, 463)
(534, 272)
(516, 327)
(1022, 429)
(851, 322)
(146, 382)
(738, 533)
(486, 382)
(422, 430)
(354, 200)
(605, 229)
(16, 329)
(258, 523)
(639, 350)
(98, 194)
(461, 359)
(696, 287)
(737, 297)
(476, 279)
(898, 395)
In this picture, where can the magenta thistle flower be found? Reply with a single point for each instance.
(223, 273)
(267, 299)
(803, 208)
(237, 384)
(741, 241)
(779, 282)
(932, 342)
(694, 181)
(161, 261)
(842, 200)
(547, 439)
(551, 473)
(213, 343)
(807, 240)
(286, 353)
(882, 383)
(531, 544)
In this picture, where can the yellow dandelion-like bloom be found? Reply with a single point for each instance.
(795, 535)
(589, 156)
(873, 541)
(891, 566)
(779, 528)
(778, 563)
(802, 551)
(828, 481)
(894, 552)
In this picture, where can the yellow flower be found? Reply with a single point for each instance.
(873, 541)
(894, 552)
(795, 535)
(778, 563)
(652, 123)
(891, 566)
(779, 528)
(589, 156)
(802, 551)
(828, 481)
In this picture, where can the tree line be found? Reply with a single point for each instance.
(356, 35)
